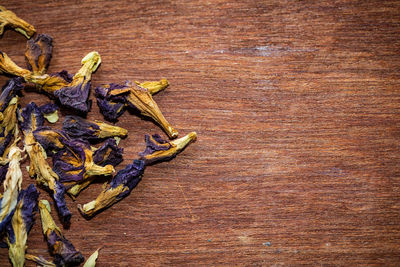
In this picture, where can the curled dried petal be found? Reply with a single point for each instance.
(39, 260)
(137, 97)
(154, 86)
(158, 149)
(78, 127)
(61, 248)
(21, 224)
(9, 91)
(9, 19)
(12, 187)
(38, 53)
(120, 186)
(8, 66)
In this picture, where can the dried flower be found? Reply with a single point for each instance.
(30, 119)
(38, 53)
(75, 163)
(12, 186)
(77, 127)
(108, 154)
(8, 18)
(21, 224)
(91, 261)
(61, 248)
(158, 149)
(9, 91)
(120, 186)
(134, 96)
(51, 139)
(8, 66)
(72, 92)
(39, 260)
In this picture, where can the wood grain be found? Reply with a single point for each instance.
(296, 105)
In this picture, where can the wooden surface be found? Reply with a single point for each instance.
(296, 104)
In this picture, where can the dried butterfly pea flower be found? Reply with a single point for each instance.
(38, 53)
(9, 19)
(12, 187)
(30, 119)
(8, 127)
(120, 186)
(91, 261)
(138, 98)
(61, 248)
(73, 93)
(7, 66)
(9, 91)
(3, 172)
(75, 163)
(39, 260)
(50, 112)
(78, 127)
(21, 223)
(111, 109)
(50, 139)
(158, 149)
(108, 154)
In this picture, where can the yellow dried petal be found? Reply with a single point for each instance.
(8, 18)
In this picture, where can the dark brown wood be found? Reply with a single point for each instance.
(297, 109)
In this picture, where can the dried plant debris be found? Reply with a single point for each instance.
(75, 163)
(9, 19)
(158, 149)
(91, 261)
(38, 53)
(12, 187)
(51, 139)
(40, 261)
(30, 119)
(119, 187)
(63, 251)
(50, 112)
(9, 91)
(20, 225)
(108, 154)
(154, 86)
(78, 127)
(134, 96)
(71, 92)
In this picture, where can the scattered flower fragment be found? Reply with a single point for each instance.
(119, 187)
(158, 149)
(78, 127)
(12, 187)
(20, 225)
(154, 86)
(9, 19)
(7, 66)
(30, 119)
(38, 53)
(91, 261)
(50, 112)
(51, 139)
(136, 97)
(40, 261)
(61, 248)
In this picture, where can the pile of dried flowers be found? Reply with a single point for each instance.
(75, 161)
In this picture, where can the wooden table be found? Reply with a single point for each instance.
(296, 105)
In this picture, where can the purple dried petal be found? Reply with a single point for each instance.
(50, 139)
(9, 90)
(63, 250)
(48, 108)
(59, 199)
(38, 53)
(129, 177)
(29, 199)
(64, 75)
(156, 143)
(108, 153)
(110, 110)
(31, 118)
(75, 97)
(75, 126)
(6, 141)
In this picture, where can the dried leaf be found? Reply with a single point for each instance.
(91, 262)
